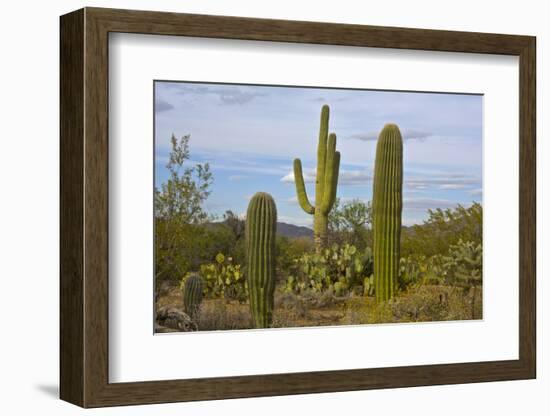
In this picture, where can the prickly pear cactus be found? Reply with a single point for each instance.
(261, 224)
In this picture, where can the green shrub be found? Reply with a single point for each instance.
(420, 270)
(464, 266)
(442, 229)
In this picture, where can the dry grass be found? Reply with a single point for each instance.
(219, 314)
(421, 304)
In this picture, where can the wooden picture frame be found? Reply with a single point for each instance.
(84, 207)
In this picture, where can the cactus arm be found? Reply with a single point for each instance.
(334, 180)
(331, 175)
(301, 192)
(321, 156)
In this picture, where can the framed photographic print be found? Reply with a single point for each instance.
(255, 207)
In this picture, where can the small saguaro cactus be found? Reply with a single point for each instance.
(328, 165)
(261, 227)
(387, 205)
(192, 295)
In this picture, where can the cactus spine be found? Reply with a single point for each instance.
(328, 165)
(387, 207)
(192, 296)
(261, 227)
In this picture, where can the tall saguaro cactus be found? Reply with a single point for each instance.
(328, 165)
(387, 205)
(261, 226)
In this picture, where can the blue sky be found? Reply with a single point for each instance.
(251, 134)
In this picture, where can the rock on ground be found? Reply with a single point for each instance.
(170, 317)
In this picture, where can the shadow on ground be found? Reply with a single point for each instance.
(51, 390)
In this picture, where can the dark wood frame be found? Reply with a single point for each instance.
(84, 207)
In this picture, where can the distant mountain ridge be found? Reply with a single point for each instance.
(293, 231)
(283, 229)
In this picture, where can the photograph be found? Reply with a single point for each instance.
(290, 206)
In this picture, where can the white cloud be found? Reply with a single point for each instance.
(299, 221)
(162, 105)
(307, 173)
(346, 177)
(228, 95)
(354, 177)
(476, 192)
(236, 97)
(285, 121)
(422, 204)
(234, 178)
(408, 221)
(452, 186)
(449, 181)
(243, 169)
(408, 134)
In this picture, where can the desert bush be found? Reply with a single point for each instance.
(351, 222)
(464, 266)
(442, 229)
(420, 303)
(289, 301)
(421, 270)
(288, 249)
(423, 303)
(179, 214)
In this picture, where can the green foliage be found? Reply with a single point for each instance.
(464, 264)
(236, 224)
(420, 270)
(224, 279)
(328, 166)
(288, 249)
(434, 253)
(443, 229)
(261, 228)
(196, 245)
(192, 295)
(351, 222)
(180, 198)
(387, 203)
(409, 272)
(210, 239)
(178, 213)
(368, 286)
(339, 269)
(284, 254)
(462, 267)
